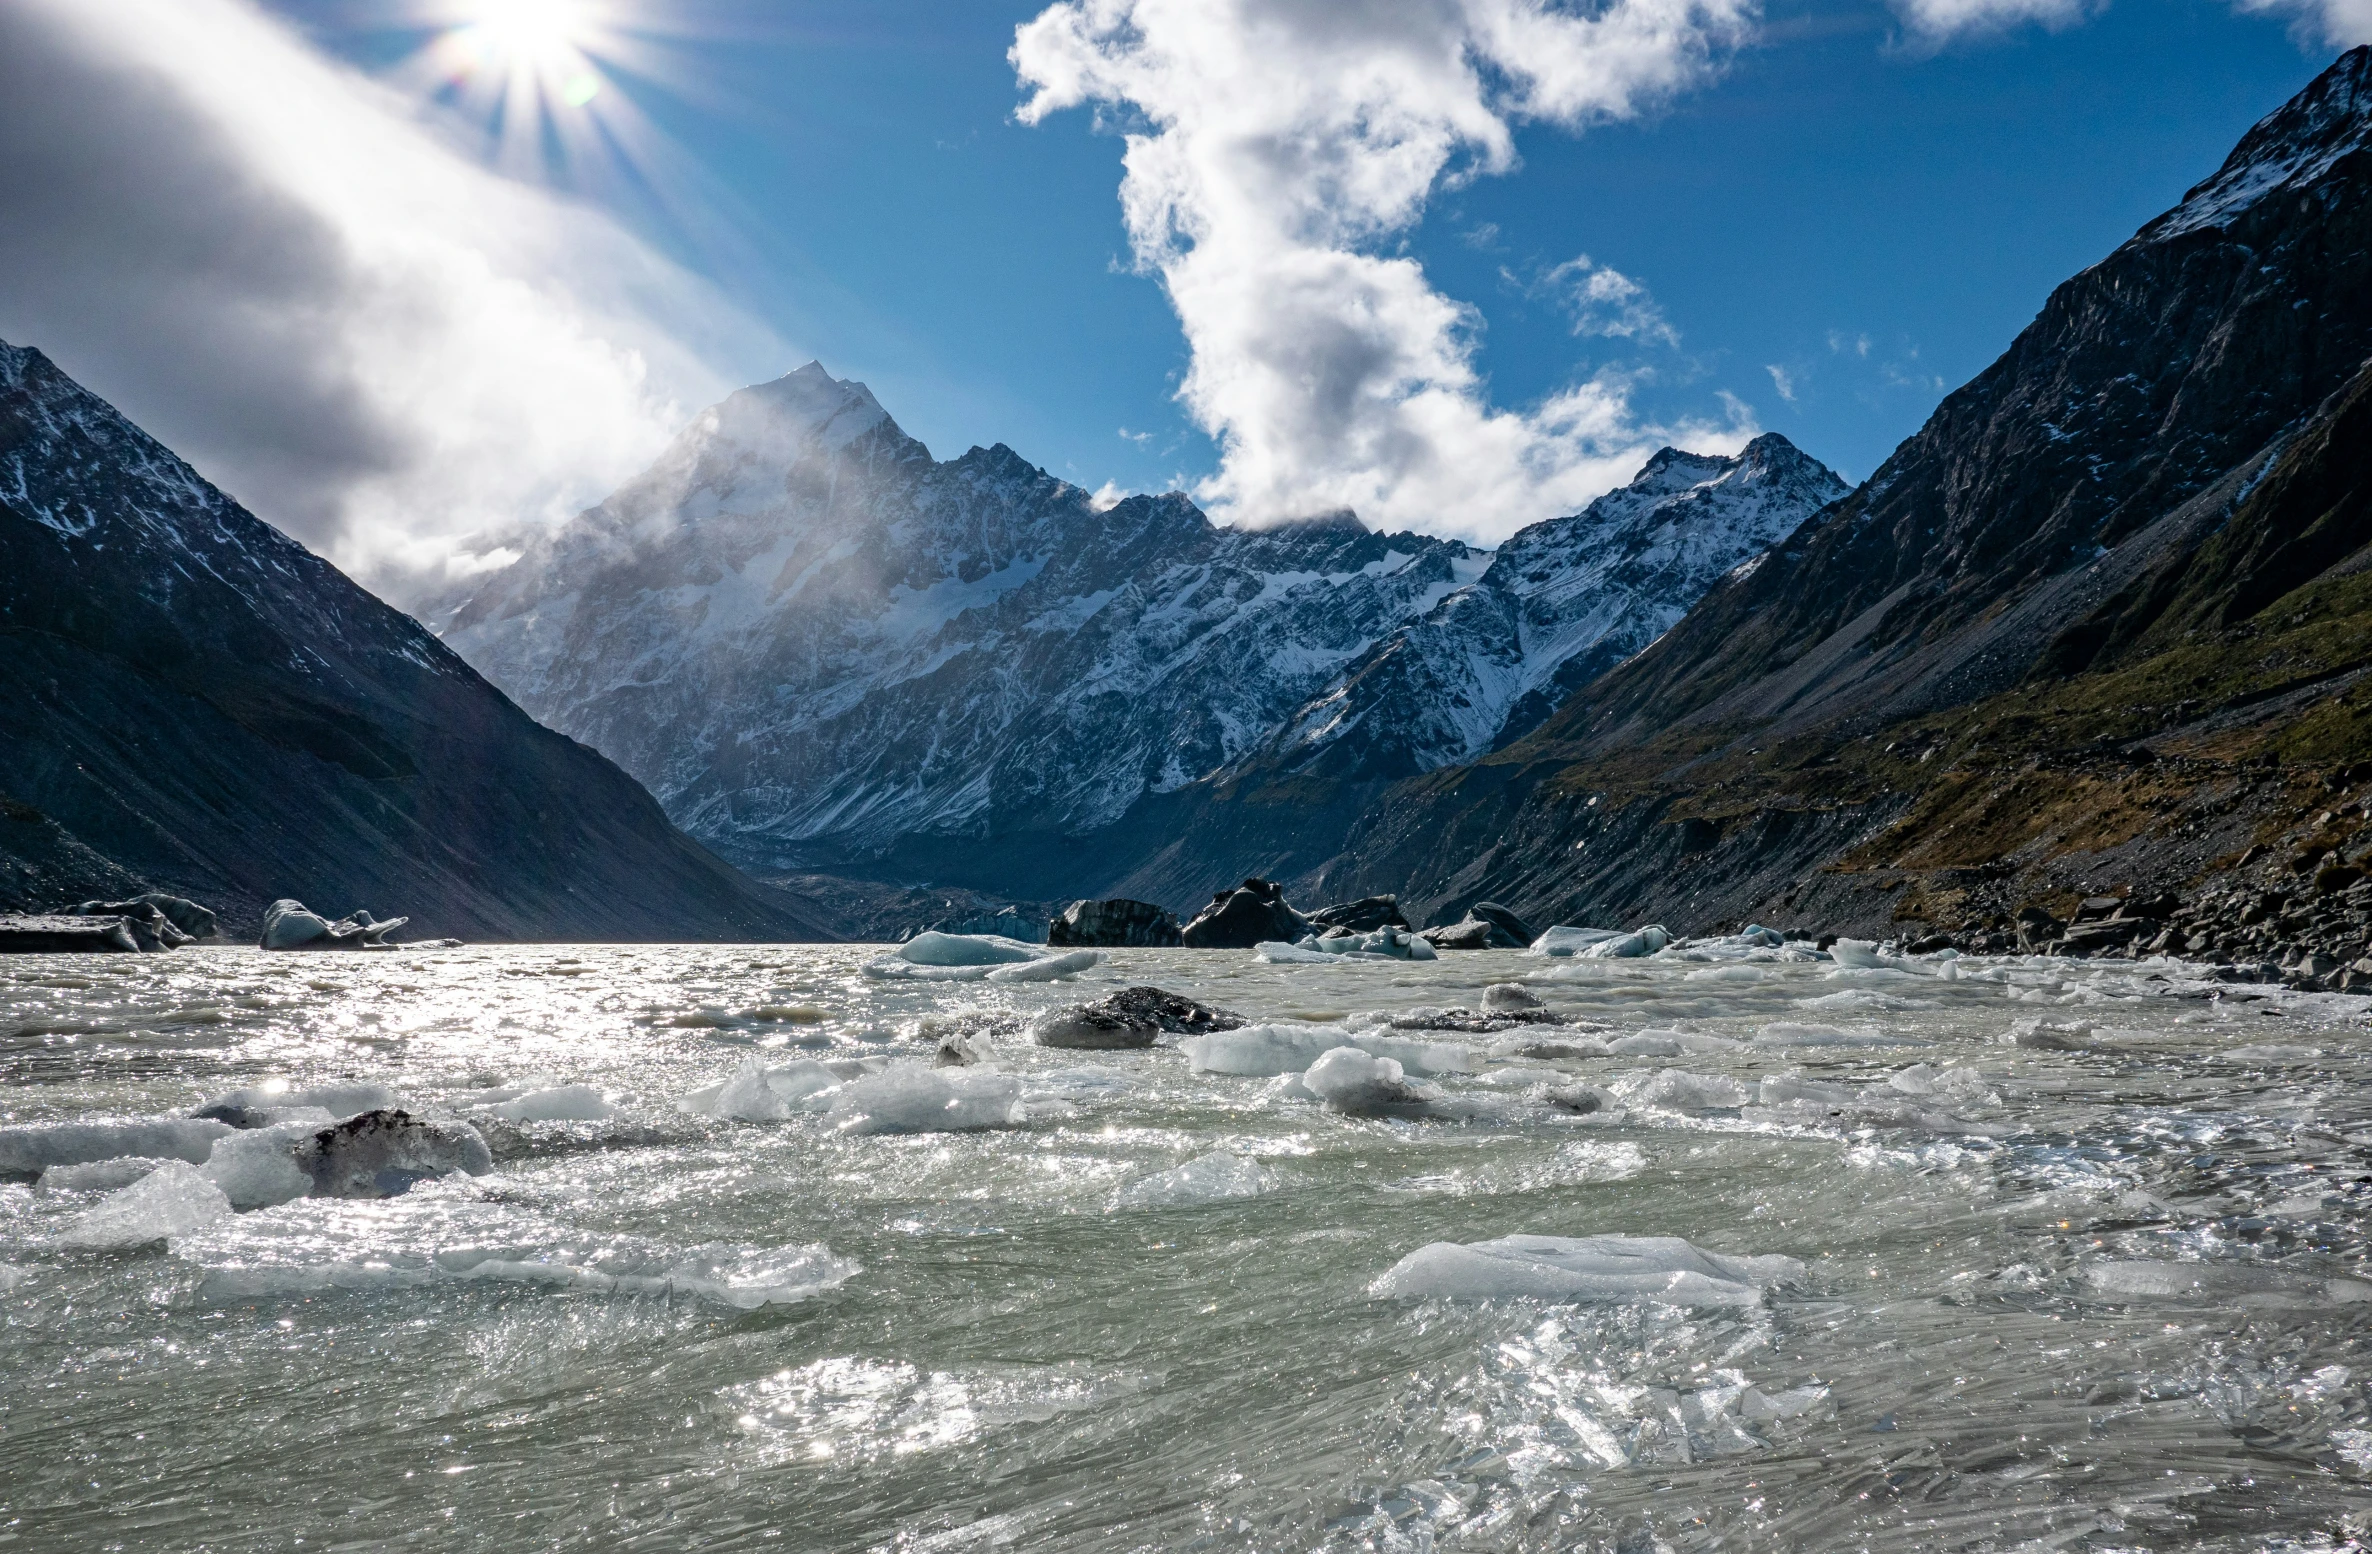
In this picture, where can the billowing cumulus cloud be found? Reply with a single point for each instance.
(1276, 149)
(269, 261)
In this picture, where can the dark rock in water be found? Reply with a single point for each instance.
(1093, 1027)
(288, 926)
(65, 934)
(1115, 924)
(1363, 916)
(1173, 1012)
(1253, 913)
(382, 1154)
(151, 929)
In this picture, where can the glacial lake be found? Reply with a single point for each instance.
(2081, 1254)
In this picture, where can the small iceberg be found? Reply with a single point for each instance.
(963, 957)
(908, 1098)
(29, 1149)
(1210, 1178)
(1638, 944)
(1262, 1051)
(167, 1202)
(1363, 1085)
(1559, 943)
(1386, 943)
(1609, 1270)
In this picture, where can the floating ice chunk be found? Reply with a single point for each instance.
(1961, 1086)
(1048, 968)
(1783, 1033)
(275, 1100)
(1654, 1043)
(258, 1167)
(31, 1148)
(169, 1200)
(1678, 1090)
(2221, 1284)
(383, 1154)
(1508, 997)
(2050, 1035)
(747, 1097)
(1636, 944)
(965, 949)
(894, 969)
(558, 1103)
(907, 1098)
(98, 1175)
(1262, 1051)
(1204, 1179)
(1278, 953)
(1418, 1057)
(1746, 975)
(1597, 1269)
(1859, 954)
(1561, 942)
(1381, 944)
(1348, 1080)
(1858, 998)
(2271, 1053)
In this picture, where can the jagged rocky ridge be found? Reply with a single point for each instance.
(822, 649)
(2098, 624)
(190, 700)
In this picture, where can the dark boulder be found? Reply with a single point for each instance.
(1093, 1027)
(1115, 924)
(64, 934)
(1253, 913)
(1362, 916)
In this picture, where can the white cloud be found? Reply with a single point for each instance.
(276, 265)
(1783, 381)
(2341, 23)
(1936, 20)
(1605, 302)
(1275, 146)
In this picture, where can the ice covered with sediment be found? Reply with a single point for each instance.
(908, 1098)
(28, 1149)
(1597, 1269)
(1209, 1178)
(169, 1200)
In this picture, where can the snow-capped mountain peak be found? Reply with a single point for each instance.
(2291, 150)
(815, 643)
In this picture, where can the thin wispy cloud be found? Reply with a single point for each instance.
(1783, 381)
(1603, 301)
(1275, 151)
(2340, 23)
(283, 269)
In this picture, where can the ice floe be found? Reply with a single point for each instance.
(1349, 1080)
(1595, 1269)
(908, 1098)
(28, 1149)
(259, 1106)
(1209, 1178)
(169, 1200)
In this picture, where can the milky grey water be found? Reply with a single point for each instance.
(2096, 1291)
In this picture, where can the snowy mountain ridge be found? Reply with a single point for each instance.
(815, 643)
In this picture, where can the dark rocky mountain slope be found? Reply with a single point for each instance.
(2098, 623)
(190, 700)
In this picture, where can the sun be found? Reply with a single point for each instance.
(527, 29)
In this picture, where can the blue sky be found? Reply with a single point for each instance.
(1459, 264)
(1874, 217)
